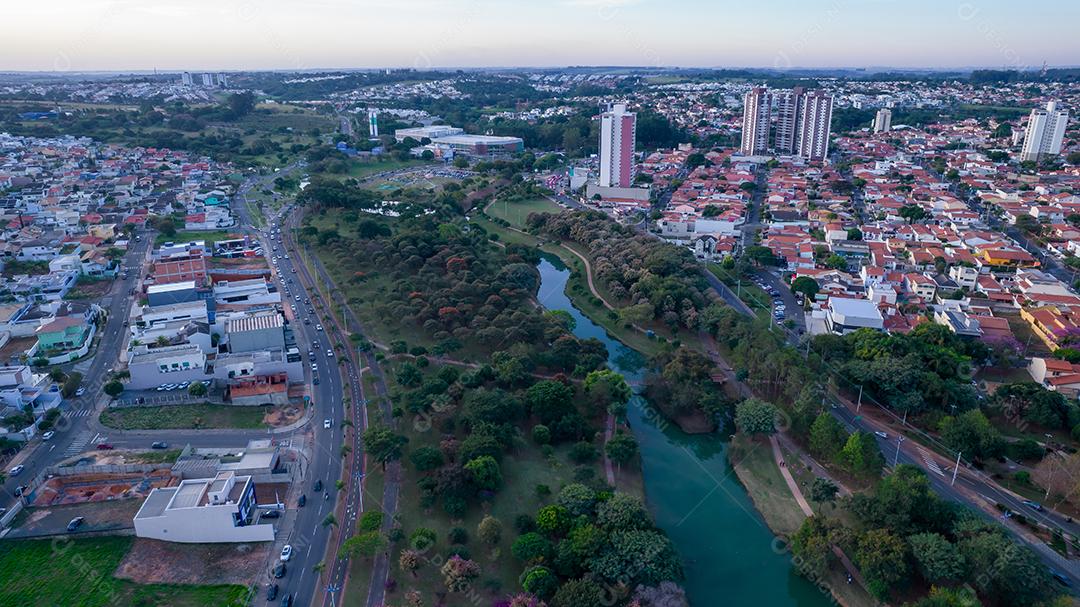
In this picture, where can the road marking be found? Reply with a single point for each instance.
(930, 463)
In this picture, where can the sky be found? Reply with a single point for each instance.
(91, 35)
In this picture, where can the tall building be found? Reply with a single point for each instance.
(883, 121)
(618, 133)
(185, 79)
(208, 79)
(222, 80)
(815, 124)
(757, 105)
(373, 123)
(788, 114)
(1045, 131)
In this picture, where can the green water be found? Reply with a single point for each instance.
(728, 552)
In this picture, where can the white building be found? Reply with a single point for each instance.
(757, 106)
(883, 121)
(1045, 132)
(848, 315)
(814, 127)
(618, 136)
(185, 79)
(430, 132)
(788, 116)
(208, 510)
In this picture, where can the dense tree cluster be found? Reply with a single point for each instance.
(641, 271)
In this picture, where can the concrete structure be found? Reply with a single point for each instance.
(1045, 132)
(427, 132)
(491, 146)
(210, 510)
(150, 368)
(618, 136)
(252, 292)
(814, 127)
(185, 79)
(256, 332)
(172, 293)
(373, 123)
(883, 121)
(208, 79)
(788, 116)
(848, 315)
(757, 106)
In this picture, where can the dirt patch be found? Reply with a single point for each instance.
(284, 415)
(157, 562)
(83, 488)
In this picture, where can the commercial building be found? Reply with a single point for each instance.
(256, 332)
(427, 132)
(1045, 132)
(848, 315)
(814, 127)
(150, 368)
(757, 107)
(491, 146)
(209, 510)
(172, 293)
(618, 135)
(883, 121)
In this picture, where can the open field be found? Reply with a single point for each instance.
(210, 236)
(361, 169)
(79, 573)
(177, 417)
(516, 212)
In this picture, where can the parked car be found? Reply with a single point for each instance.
(279, 571)
(48, 435)
(315, 380)
(74, 523)
(318, 484)
(105, 447)
(80, 392)
(302, 501)
(271, 514)
(17, 470)
(286, 553)
(159, 445)
(271, 592)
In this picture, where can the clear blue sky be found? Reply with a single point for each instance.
(302, 34)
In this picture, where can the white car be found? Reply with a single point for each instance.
(329, 353)
(48, 435)
(327, 423)
(80, 392)
(319, 327)
(17, 470)
(881, 434)
(314, 367)
(286, 552)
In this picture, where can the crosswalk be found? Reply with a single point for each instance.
(79, 444)
(930, 463)
(86, 412)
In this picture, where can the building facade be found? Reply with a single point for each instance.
(883, 121)
(757, 108)
(813, 140)
(618, 134)
(202, 511)
(1045, 132)
(788, 116)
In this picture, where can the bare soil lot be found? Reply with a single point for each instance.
(157, 562)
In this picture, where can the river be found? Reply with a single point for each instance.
(727, 550)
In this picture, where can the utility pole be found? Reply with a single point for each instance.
(896, 458)
(858, 405)
(956, 469)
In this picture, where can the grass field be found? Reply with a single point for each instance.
(186, 236)
(182, 417)
(361, 169)
(78, 573)
(516, 212)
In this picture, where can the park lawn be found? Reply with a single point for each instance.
(517, 211)
(183, 417)
(747, 290)
(757, 470)
(362, 169)
(210, 236)
(78, 573)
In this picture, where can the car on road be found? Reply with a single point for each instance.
(315, 380)
(286, 601)
(1059, 578)
(302, 501)
(314, 366)
(286, 552)
(318, 484)
(311, 354)
(329, 353)
(307, 321)
(1036, 506)
(74, 523)
(271, 592)
(318, 327)
(17, 470)
(20, 490)
(80, 392)
(328, 423)
(881, 434)
(48, 435)
(297, 298)
(279, 571)
(105, 447)
(159, 445)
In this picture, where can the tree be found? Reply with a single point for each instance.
(913, 213)
(753, 416)
(762, 256)
(240, 104)
(623, 512)
(963, 596)
(1012, 573)
(861, 455)
(577, 499)
(854, 234)
(823, 490)
(459, 573)
(553, 520)
(114, 388)
(489, 530)
(579, 593)
(383, 444)
(972, 433)
(836, 262)
(608, 389)
(197, 389)
(426, 458)
(550, 401)
(621, 448)
(880, 556)
(540, 581)
(827, 437)
(371, 520)
(638, 557)
(484, 472)
(422, 538)
(531, 548)
(810, 544)
(935, 557)
(365, 545)
(805, 285)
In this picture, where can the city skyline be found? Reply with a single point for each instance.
(100, 35)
